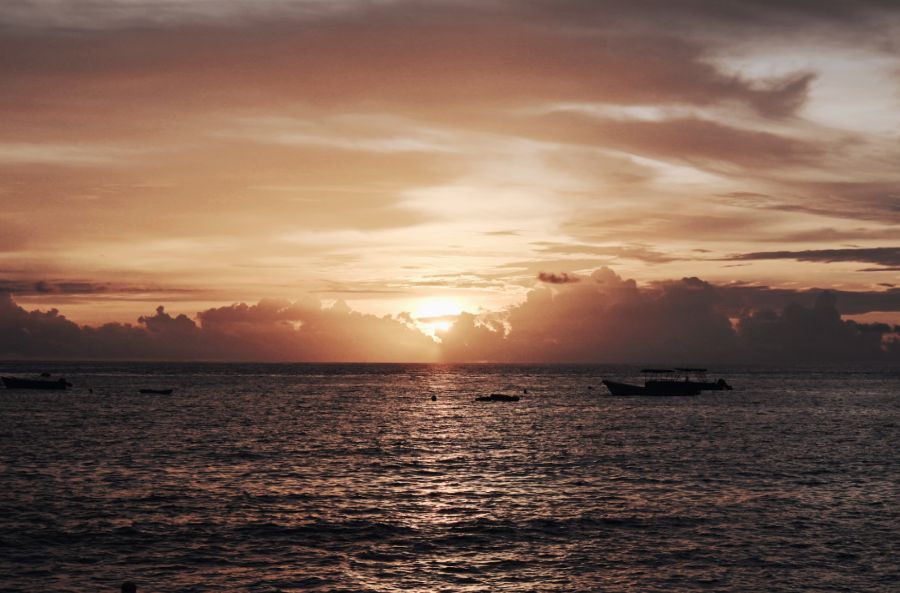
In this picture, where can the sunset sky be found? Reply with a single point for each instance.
(396, 164)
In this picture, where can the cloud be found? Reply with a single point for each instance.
(268, 331)
(23, 286)
(215, 144)
(562, 278)
(818, 333)
(642, 253)
(610, 319)
(737, 299)
(385, 57)
(697, 141)
(887, 256)
(604, 318)
(13, 237)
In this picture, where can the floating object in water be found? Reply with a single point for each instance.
(17, 383)
(157, 391)
(497, 397)
(434, 398)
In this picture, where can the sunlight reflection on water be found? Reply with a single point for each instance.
(349, 478)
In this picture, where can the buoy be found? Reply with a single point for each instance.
(434, 398)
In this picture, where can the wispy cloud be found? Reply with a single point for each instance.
(888, 256)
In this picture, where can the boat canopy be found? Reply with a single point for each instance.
(657, 371)
(689, 370)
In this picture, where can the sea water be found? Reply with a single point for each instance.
(350, 478)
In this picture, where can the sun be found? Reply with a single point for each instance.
(436, 315)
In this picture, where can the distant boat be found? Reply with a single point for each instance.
(690, 381)
(497, 397)
(17, 383)
(157, 391)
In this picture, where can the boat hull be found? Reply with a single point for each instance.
(16, 383)
(156, 391)
(719, 385)
(652, 388)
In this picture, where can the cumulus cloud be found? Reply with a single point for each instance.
(268, 331)
(604, 318)
(817, 333)
(738, 298)
(611, 319)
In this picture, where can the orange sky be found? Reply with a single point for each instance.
(436, 157)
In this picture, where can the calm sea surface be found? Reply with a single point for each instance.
(349, 478)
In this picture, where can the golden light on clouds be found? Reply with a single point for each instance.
(397, 156)
(436, 315)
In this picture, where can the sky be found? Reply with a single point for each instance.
(528, 180)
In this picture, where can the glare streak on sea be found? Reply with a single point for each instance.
(350, 478)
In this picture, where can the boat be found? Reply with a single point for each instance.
(690, 376)
(497, 397)
(689, 381)
(18, 383)
(654, 388)
(157, 391)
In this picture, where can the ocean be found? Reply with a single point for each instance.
(340, 477)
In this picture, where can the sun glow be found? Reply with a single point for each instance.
(434, 316)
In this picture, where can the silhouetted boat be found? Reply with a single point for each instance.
(689, 376)
(17, 383)
(655, 388)
(691, 381)
(497, 397)
(157, 391)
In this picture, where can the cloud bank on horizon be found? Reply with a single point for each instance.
(603, 318)
(201, 153)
